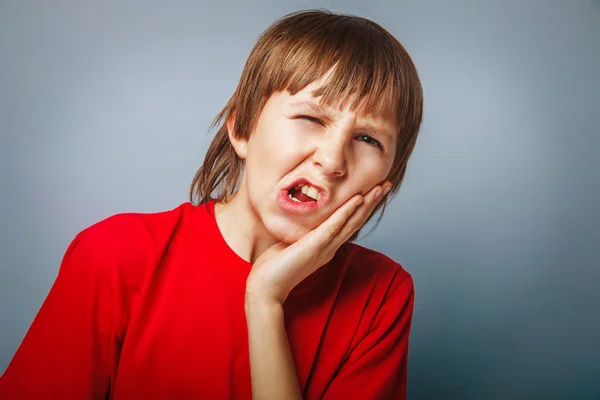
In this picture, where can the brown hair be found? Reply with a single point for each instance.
(371, 67)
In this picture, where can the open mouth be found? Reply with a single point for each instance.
(302, 197)
(303, 193)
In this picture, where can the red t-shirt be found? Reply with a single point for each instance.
(152, 306)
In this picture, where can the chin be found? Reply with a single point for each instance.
(284, 231)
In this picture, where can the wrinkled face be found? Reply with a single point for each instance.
(332, 152)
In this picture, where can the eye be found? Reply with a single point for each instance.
(311, 119)
(370, 141)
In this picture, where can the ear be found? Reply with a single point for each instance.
(240, 145)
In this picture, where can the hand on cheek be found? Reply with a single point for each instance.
(281, 267)
(357, 219)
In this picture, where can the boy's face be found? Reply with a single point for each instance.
(298, 140)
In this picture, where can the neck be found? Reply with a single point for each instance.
(241, 227)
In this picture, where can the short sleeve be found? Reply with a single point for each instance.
(67, 351)
(377, 366)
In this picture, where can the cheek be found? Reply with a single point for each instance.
(282, 148)
(272, 154)
(368, 173)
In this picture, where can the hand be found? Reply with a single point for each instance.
(281, 267)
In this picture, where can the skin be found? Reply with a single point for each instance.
(350, 156)
(285, 145)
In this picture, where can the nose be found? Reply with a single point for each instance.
(330, 157)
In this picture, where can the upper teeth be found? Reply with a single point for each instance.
(310, 191)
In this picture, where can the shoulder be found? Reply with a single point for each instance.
(375, 297)
(124, 229)
(123, 240)
(375, 270)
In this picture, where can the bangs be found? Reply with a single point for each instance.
(359, 65)
(365, 67)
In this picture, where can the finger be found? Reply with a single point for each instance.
(359, 217)
(320, 237)
(310, 249)
(347, 219)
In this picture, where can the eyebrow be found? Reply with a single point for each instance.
(319, 109)
(313, 106)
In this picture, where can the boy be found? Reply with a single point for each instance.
(258, 291)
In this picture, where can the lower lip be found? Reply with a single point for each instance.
(298, 207)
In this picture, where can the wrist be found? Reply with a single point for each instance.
(262, 304)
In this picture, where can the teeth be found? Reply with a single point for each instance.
(293, 198)
(311, 191)
(308, 190)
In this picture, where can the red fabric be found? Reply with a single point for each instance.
(152, 306)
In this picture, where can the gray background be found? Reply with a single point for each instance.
(104, 108)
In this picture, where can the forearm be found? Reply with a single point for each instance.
(273, 373)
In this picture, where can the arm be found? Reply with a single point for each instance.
(377, 365)
(274, 274)
(273, 373)
(66, 352)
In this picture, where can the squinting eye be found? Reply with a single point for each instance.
(311, 119)
(369, 140)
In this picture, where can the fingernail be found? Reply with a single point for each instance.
(377, 193)
(387, 189)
